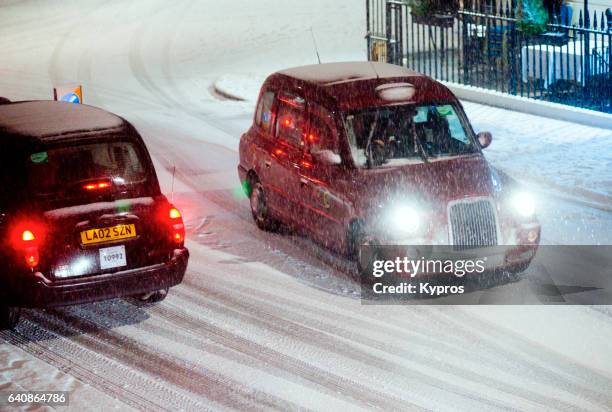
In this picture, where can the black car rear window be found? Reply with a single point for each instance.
(87, 170)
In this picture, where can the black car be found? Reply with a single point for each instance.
(82, 217)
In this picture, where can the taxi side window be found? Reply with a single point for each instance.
(321, 135)
(264, 115)
(291, 120)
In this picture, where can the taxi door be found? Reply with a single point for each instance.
(263, 145)
(286, 156)
(325, 209)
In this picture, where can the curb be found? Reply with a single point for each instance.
(219, 92)
(531, 106)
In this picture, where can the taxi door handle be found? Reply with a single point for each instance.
(303, 182)
(268, 163)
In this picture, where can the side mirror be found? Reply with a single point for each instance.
(327, 157)
(485, 139)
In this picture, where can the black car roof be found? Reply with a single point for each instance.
(44, 120)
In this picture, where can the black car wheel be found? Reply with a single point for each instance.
(259, 208)
(9, 317)
(154, 297)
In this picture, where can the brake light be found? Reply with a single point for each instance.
(27, 236)
(96, 186)
(174, 213)
(287, 121)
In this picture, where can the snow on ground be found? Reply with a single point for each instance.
(266, 321)
(21, 371)
(547, 151)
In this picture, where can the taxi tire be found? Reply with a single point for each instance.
(365, 261)
(357, 240)
(154, 297)
(9, 317)
(259, 209)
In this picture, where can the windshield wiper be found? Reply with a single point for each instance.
(420, 147)
(368, 148)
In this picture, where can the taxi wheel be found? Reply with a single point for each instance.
(367, 253)
(9, 317)
(154, 297)
(363, 250)
(259, 208)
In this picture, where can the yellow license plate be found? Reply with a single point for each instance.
(108, 234)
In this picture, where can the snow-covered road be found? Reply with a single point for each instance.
(266, 321)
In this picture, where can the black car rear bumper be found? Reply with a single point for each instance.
(39, 292)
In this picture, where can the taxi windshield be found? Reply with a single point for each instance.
(405, 134)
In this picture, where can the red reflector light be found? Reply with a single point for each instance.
(31, 257)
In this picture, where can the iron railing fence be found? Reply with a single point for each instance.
(482, 45)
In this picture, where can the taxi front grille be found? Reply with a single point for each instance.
(472, 224)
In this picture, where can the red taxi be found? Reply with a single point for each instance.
(368, 153)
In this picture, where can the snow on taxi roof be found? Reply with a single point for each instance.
(45, 118)
(330, 73)
(357, 85)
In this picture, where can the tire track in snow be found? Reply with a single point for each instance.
(316, 377)
(497, 356)
(139, 356)
(255, 316)
(268, 318)
(169, 325)
(77, 362)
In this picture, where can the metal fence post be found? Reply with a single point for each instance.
(587, 47)
(390, 56)
(513, 50)
(464, 31)
(368, 33)
(609, 82)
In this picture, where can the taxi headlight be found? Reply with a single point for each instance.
(523, 204)
(404, 220)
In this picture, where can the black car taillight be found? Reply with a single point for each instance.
(26, 239)
(172, 217)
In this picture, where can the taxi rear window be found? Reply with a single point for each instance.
(91, 169)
